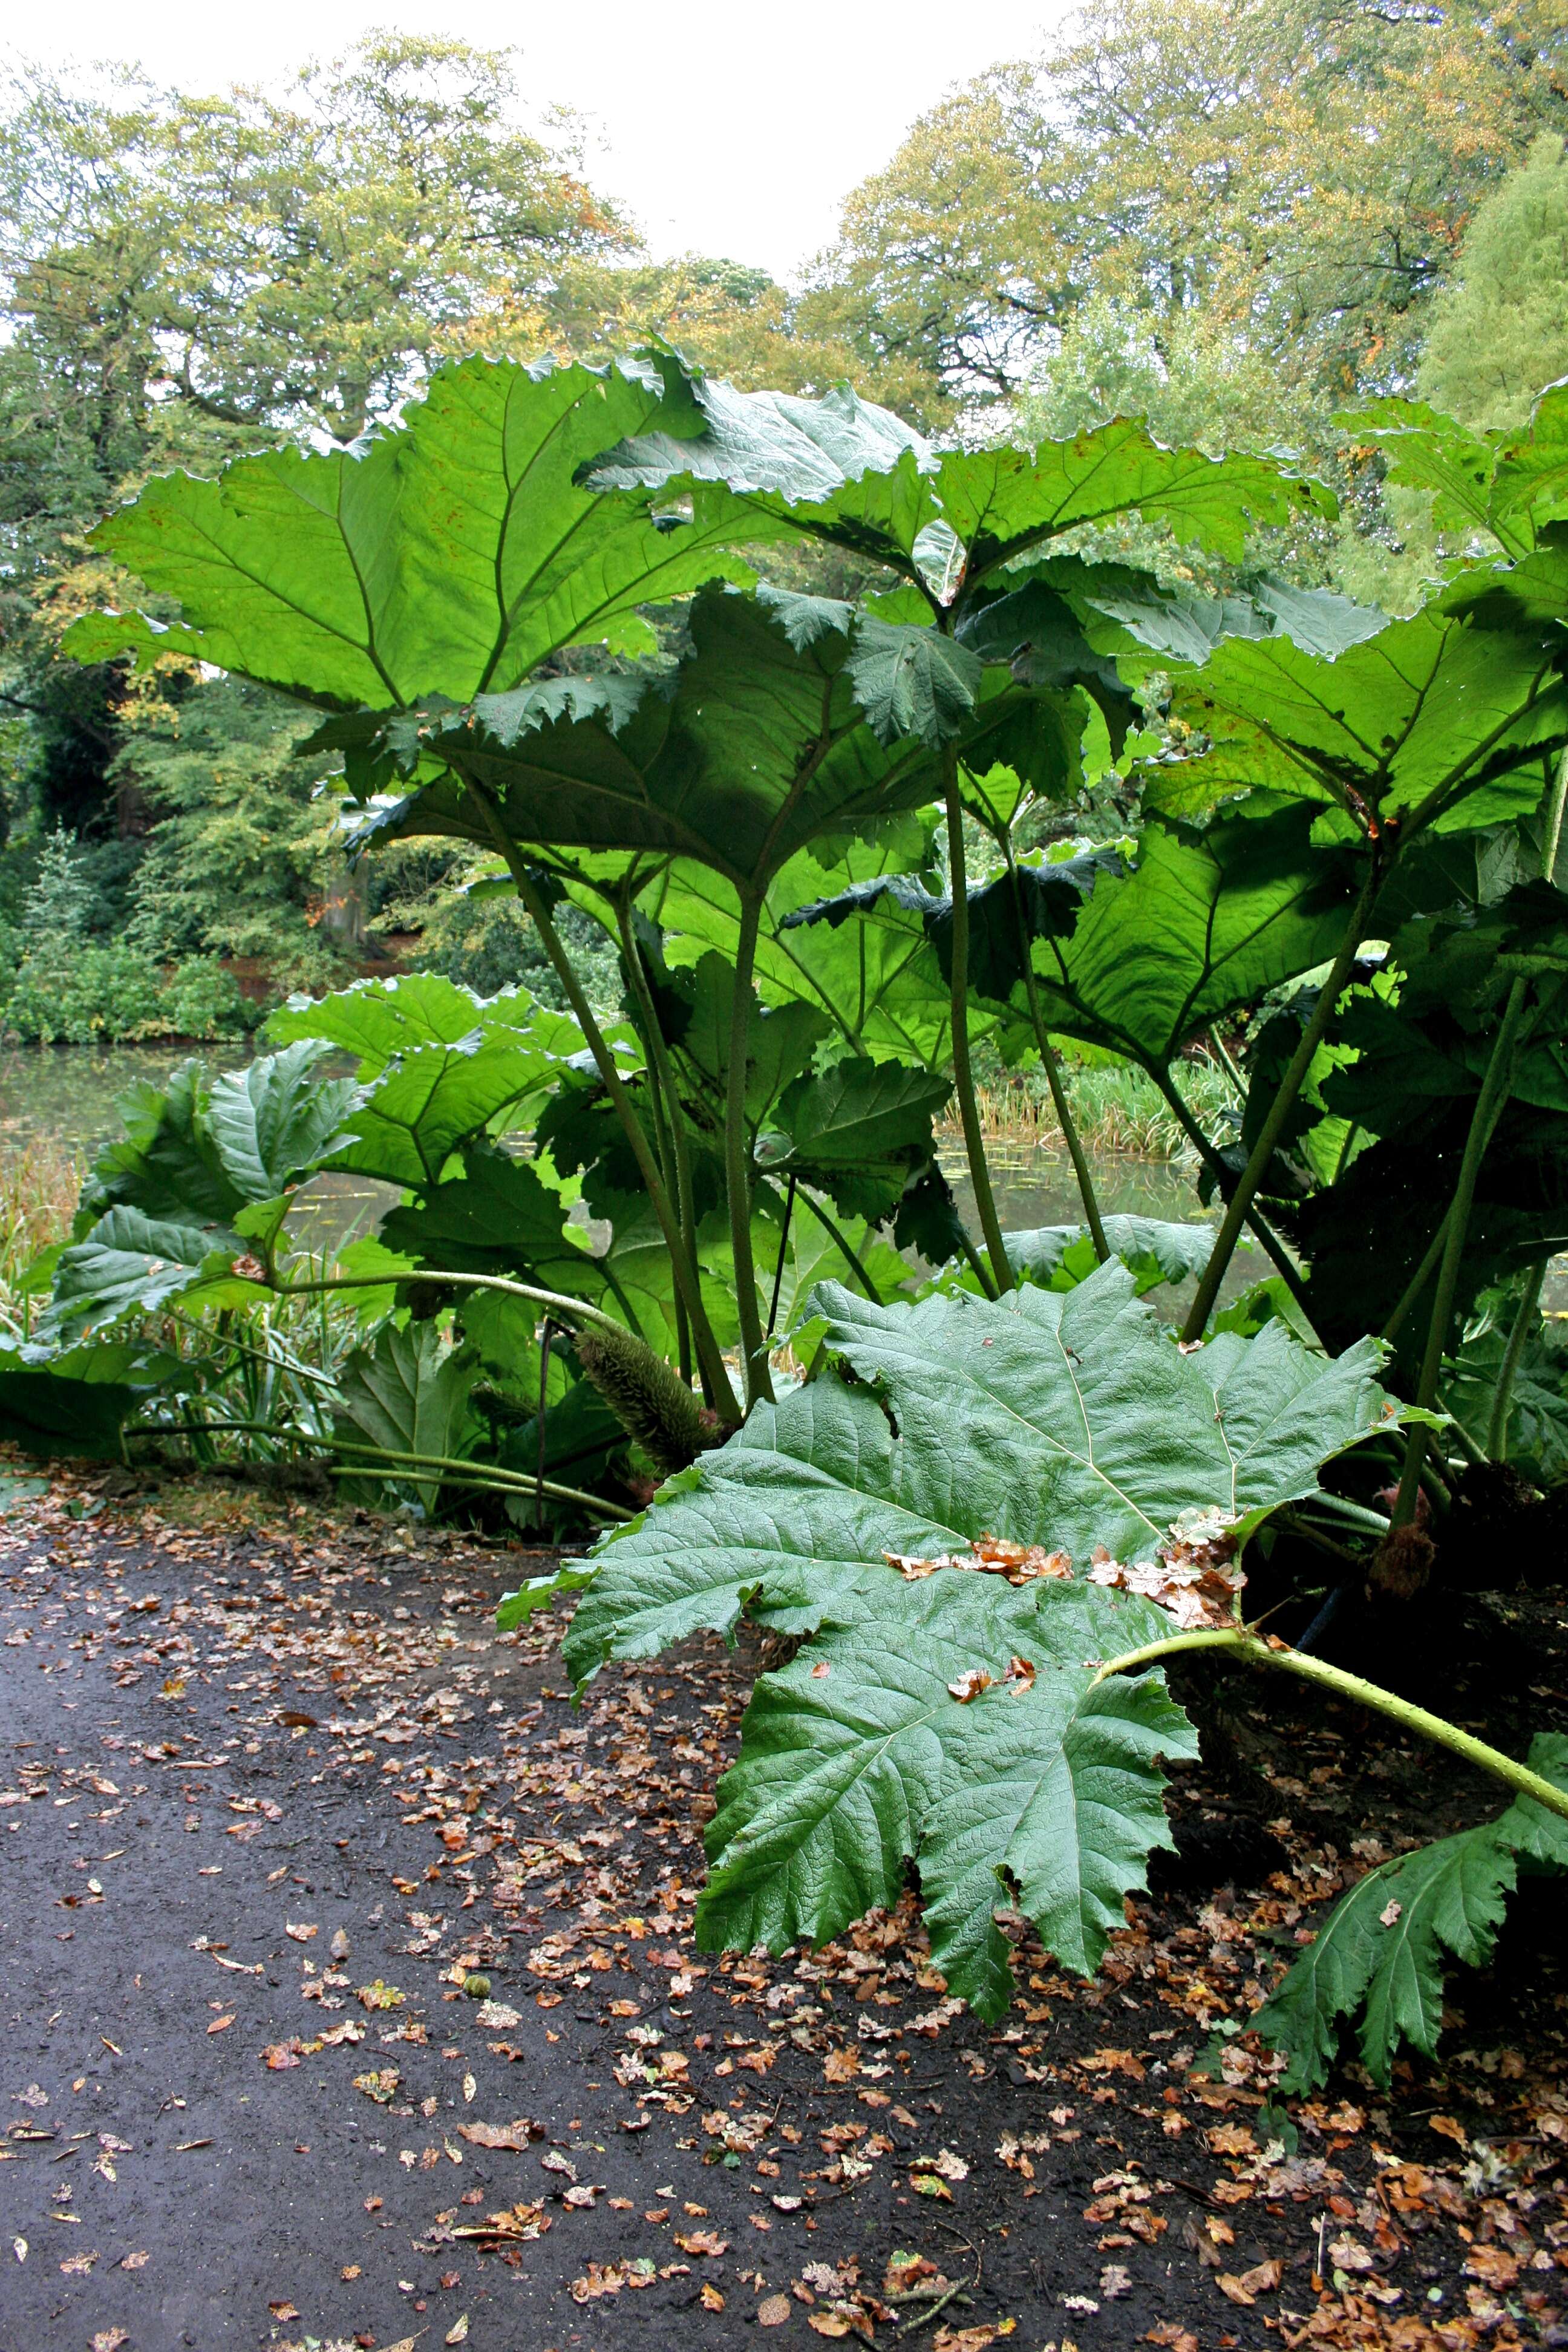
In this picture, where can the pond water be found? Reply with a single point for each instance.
(67, 1094)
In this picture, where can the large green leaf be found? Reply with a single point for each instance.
(1512, 484)
(1206, 923)
(1538, 1398)
(407, 1393)
(1424, 450)
(1438, 713)
(757, 747)
(375, 1020)
(779, 1043)
(405, 1126)
(944, 1717)
(1070, 1420)
(197, 1152)
(878, 986)
(1153, 619)
(857, 1132)
(1046, 905)
(75, 1400)
(836, 470)
(1382, 1947)
(450, 556)
(859, 1756)
(496, 1217)
(1153, 1250)
(275, 1119)
(1139, 961)
(131, 1264)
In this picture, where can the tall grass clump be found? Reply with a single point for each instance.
(1116, 1107)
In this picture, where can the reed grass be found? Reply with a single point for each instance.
(39, 1186)
(1116, 1108)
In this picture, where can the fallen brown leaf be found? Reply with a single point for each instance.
(702, 2241)
(512, 2136)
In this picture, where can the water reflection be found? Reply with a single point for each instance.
(70, 1095)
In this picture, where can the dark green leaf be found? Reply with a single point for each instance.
(1382, 1946)
(407, 1393)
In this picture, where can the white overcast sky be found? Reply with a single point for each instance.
(727, 128)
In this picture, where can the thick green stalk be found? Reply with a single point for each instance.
(1265, 1232)
(841, 1241)
(674, 1120)
(556, 1299)
(1494, 1090)
(1255, 1652)
(738, 1164)
(1418, 1280)
(790, 1191)
(688, 1283)
(963, 1070)
(469, 1474)
(1279, 1111)
(1525, 1322)
(1227, 1060)
(1050, 1062)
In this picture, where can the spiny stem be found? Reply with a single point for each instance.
(1280, 1110)
(1050, 1062)
(1527, 1320)
(738, 1163)
(1494, 1090)
(963, 1071)
(489, 1474)
(784, 1245)
(1246, 1646)
(1227, 1060)
(1264, 1231)
(715, 1378)
(842, 1242)
(557, 1301)
(675, 1119)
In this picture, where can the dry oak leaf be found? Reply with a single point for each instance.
(710, 2299)
(381, 2086)
(702, 2241)
(970, 1683)
(1492, 2264)
(513, 2136)
(300, 1929)
(1112, 2061)
(1176, 2339)
(840, 2065)
(1262, 2279)
(380, 1995)
(109, 2339)
(970, 2339)
(496, 2016)
(1347, 2253)
(1449, 2129)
